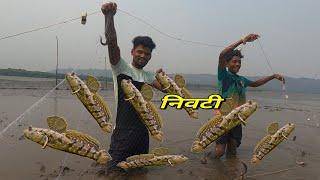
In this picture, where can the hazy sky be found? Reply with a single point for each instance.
(289, 32)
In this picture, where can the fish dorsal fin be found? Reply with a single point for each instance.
(260, 143)
(180, 81)
(227, 106)
(146, 91)
(93, 84)
(187, 94)
(273, 128)
(155, 113)
(211, 123)
(132, 158)
(56, 123)
(83, 137)
(160, 151)
(139, 156)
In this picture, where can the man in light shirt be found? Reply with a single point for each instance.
(130, 136)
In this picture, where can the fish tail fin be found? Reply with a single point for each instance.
(254, 160)
(124, 165)
(196, 147)
(104, 157)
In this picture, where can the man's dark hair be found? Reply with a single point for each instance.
(145, 41)
(233, 53)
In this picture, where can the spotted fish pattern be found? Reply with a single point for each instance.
(220, 125)
(88, 94)
(141, 101)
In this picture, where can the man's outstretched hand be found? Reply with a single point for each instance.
(279, 77)
(250, 38)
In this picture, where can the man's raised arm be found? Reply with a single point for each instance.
(109, 10)
(231, 47)
(224, 52)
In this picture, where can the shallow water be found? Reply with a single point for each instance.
(22, 159)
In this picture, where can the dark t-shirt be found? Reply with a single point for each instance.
(130, 136)
(127, 117)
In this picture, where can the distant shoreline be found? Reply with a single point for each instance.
(36, 83)
(37, 74)
(194, 81)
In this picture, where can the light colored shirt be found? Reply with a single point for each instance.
(122, 67)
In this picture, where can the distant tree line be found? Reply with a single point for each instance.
(39, 74)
